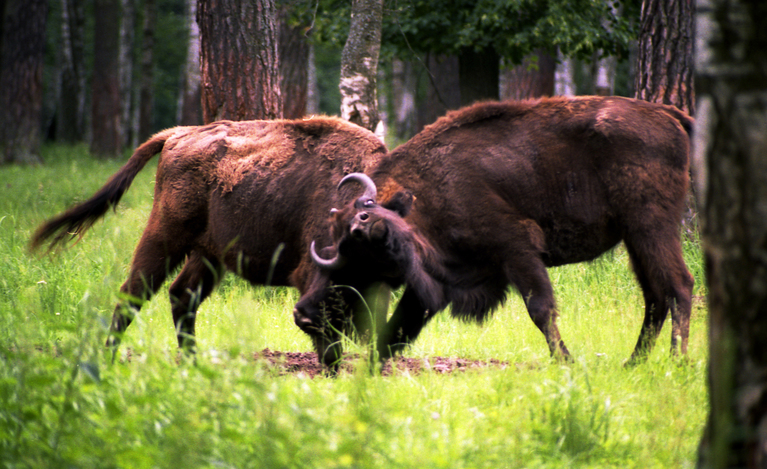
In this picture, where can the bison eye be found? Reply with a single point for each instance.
(369, 203)
(333, 211)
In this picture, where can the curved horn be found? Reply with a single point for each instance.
(367, 183)
(331, 264)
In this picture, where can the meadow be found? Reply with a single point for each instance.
(64, 403)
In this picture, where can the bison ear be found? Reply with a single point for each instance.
(401, 203)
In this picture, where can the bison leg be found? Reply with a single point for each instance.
(153, 260)
(666, 284)
(528, 274)
(194, 283)
(369, 313)
(404, 325)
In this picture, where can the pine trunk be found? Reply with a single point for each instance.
(665, 62)
(730, 139)
(531, 79)
(478, 74)
(444, 90)
(239, 60)
(359, 64)
(21, 84)
(105, 109)
(294, 59)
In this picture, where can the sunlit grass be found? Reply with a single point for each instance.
(63, 403)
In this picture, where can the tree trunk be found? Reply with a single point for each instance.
(730, 138)
(312, 87)
(105, 106)
(239, 60)
(403, 86)
(359, 64)
(21, 84)
(294, 69)
(531, 79)
(189, 105)
(146, 82)
(478, 74)
(564, 76)
(70, 126)
(664, 72)
(444, 90)
(604, 76)
(664, 62)
(127, 41)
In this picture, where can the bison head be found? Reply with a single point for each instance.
(372, 243)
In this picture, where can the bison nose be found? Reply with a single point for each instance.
(358, 226)
(302, 320)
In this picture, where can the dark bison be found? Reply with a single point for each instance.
(248, 197)
(493, 194)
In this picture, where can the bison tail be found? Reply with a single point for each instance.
(684, 119)
(78, 219)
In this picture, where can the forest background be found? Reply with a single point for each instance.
(558, 47)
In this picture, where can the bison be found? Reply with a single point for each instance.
(247, 197)
(491, 195)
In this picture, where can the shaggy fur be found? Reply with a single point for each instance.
(504, 190)
(247, 197)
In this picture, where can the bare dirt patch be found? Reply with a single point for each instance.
(306, 363)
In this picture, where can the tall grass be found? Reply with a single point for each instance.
(63, 403)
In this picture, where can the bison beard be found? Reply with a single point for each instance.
(248, 197)
(493, 194)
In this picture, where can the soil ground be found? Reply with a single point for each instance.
(306, 363)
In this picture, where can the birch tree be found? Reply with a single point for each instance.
(730, 137)
(189, 110)
(359, 64)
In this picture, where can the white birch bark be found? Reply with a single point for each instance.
(359, 64)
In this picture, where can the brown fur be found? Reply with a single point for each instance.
(504, 190)
(228, 196)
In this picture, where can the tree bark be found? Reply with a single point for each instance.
(731, 59)
(359, 64)
(564, 77)
(294, 69)
(21, 84)
(312, 87)
(239, 60)
(105, 97)
(533, 78)
(478, 74)
(146, 82)
(127, 41)
(70, 126)
(665, 62)
(444, 90)
(189, 102)
(403, 87)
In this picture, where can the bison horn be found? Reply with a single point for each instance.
(331, 264)
(367, 183)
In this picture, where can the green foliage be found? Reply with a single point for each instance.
(579, 28)
(63, 403)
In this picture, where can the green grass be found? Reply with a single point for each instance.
(64, 404)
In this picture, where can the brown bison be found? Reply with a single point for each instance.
(248, 197)
(493, 194)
